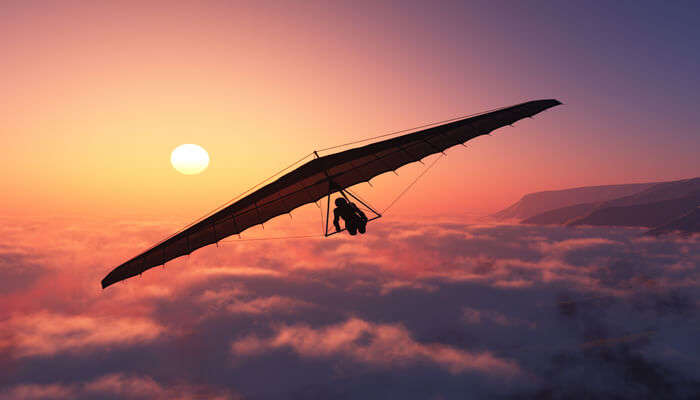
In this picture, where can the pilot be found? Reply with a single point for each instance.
(355, 220)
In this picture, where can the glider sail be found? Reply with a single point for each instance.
(321, 177)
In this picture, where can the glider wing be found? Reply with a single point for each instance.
(319, 178)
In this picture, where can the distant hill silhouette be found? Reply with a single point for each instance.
(536, 203)
(659, 192)
(645, 215)
(662, 204)
(562, 215)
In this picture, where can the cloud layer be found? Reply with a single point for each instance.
(373, 344)
(414, 309)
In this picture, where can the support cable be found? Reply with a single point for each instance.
(226, 204)
(425, 171)
(272, 238)
(411, 129)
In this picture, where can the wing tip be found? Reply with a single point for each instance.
(105, 283)
(553, 102)
(110, 279)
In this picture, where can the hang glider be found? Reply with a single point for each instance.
(322, 177)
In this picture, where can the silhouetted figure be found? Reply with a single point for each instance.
(355, 220)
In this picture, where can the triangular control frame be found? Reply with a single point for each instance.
(345, 193)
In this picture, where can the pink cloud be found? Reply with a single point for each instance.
(572, 244)
(267, 304)
(133, 387)
(125, 386)
(375, 344)
(213, 271)
(390, 286)
(46, 334)
(37, 392)
(119, 385)
(237, 300)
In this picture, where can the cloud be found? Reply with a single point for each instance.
(268, 304)
(44, 334)
(37, 392)
(114, 386)
(568, 245)
(375, 344)
(474, 316)
(18, 271)
(132, 387)
(388, 287)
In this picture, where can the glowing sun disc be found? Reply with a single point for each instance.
(189, 159)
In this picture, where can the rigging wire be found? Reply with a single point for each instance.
(226, 204)
(411, 129)
(250, 189)
(425, 171)
(320, 210)
(271, 238)
(394, 201)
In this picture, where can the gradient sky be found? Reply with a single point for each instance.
(96, 96)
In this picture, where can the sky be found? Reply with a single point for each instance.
(96, 96)
(435, 301)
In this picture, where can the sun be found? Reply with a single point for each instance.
(189, 159)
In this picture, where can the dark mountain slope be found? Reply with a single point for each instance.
(536, 203)
(562, 215)
(654, 205)
(659, 192)
(647, 214)
(685, 225)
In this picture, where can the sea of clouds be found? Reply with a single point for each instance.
(418, 309)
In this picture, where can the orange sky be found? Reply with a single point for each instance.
(96, 97)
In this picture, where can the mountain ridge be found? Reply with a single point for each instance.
(652, 205)
(535, 203)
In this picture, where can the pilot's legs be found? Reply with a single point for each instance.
(351, 226)
(362, 226)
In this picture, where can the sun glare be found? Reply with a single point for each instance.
(189, 159)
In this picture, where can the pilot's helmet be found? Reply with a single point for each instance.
(340, 202)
